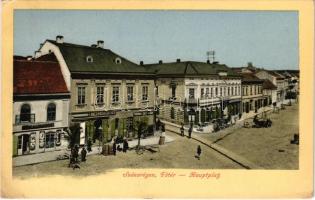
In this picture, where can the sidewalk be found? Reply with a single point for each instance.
(52, 155)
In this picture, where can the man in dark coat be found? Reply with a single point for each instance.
(198, 151)
(89, 145)
(182, 130)
(190, 131)
(83, 155)
(125, 146)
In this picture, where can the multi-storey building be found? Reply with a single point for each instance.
(40, 107)
(252, 93)
(196, 92)
(109, 94)
(278, 80)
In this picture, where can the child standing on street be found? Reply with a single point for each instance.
(198, 151)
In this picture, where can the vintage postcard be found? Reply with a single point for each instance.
(157, 99)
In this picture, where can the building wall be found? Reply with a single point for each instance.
(91, 95)
(39, 108)
(34, 133)
(48, 48)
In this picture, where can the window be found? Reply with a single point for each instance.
(100, 95)
(129, 124)
(224, 91)
(115, 98)
(129, 93)
(144, 93)
(25, 115)
(20, 142)
(50, 140)
(51, 112)
(173, 91)
(216, 91)
(207, 92)
(221, 92)
(172, 113)
(89, 59)
(191, 93)
(228, 91)
(202, 92)
(118, 60)
(81, 95)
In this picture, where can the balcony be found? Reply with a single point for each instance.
(192, 101)
(24, 118)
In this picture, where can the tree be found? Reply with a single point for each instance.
(73, 134)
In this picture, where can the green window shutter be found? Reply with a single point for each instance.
(121, 127)
(112, 128)
(15, 145)
(105, 129)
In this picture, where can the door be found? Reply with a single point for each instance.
(25, 144)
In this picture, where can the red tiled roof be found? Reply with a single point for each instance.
(37, 77)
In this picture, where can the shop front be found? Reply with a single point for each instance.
(103, 126)
(39, 141)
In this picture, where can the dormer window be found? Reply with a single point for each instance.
(118, 60)
(89, 59)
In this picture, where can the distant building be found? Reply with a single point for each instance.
(40, 107)
(278, 80)
(252, 93)
(196, 92)
(109, 94)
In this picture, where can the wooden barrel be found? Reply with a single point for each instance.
(105, 150)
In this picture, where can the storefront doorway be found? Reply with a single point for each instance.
(23, 144)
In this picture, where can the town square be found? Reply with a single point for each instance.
(85, 108)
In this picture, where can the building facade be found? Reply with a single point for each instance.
(194, 92)
(40, 107)
(110, 95)
(253, 97)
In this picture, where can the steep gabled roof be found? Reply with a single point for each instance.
(37, 77)
(269, 85)
(250, 78)
(189, 68)
(104, 60)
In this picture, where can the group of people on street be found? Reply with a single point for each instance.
(182, 130)
(116, 146)
(74, 156)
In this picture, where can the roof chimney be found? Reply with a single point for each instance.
(141, 62)
(41, 45)
(59, 39)
(208, 61)
(37, 54)
(160, 61)
(100, 44)
(178, 60)
(94, 45)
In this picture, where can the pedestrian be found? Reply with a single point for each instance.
(182, 130)
(114, 148)
(198, 151)
(189, 131)
(83, 155)
(76, 153)
(89, 145)
(125, 146)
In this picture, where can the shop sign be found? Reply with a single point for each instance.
(143, 113)
(102, 113)
(35, 126)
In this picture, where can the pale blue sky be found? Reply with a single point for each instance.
(268, 39)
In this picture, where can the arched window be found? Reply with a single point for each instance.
(51, 112)
(25, 114)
